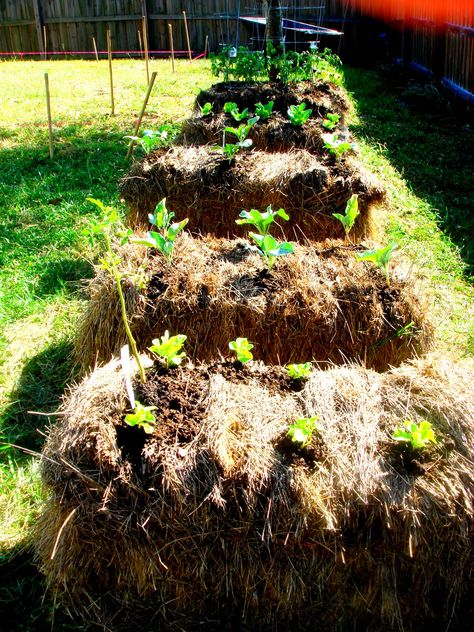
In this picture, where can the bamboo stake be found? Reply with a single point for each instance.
(95, 49)
(142, 112)
(145, 44)
(140, 43)
(187, 35)
(45, 42)
(48, 108)
(109, 53)
(170, 29)
(206, 47)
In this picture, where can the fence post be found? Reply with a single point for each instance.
(39, 23)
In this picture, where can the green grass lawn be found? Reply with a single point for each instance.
(423, 159)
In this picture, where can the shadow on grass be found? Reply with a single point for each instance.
(428, 143)
(64, 273)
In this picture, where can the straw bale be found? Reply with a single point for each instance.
(318, 304)
(231, 529)
(208, 189)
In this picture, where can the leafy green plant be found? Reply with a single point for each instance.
(142, 417)
(336, 146)
(301, 430)
(240, 132)
(331, 121)
(299, 371)
(152, 139)
(169, 348)
(261, 220)
(264, 111)
(270, 249)
(108, 228)
(350, 214)
(380, 257)
(242, 347)
(299, 114)
(206, 109)
(164, 240)
(417, 436)
(233, 110)
(245, 66)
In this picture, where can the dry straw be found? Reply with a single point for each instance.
(229, 529)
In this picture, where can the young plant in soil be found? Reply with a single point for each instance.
(108, 227)
(415, 436)
(164, 240)
(331, 121)
(264, 111)
(206, 109)
(270, 249)
(168, 349)
(299, 371)
(380, 257)
(151, 139)
(350, 214)
(233, 110)
(142, 417)
(261, 220)
(299, 114)
(301, 430)
(335, 146)
(241, 132)
(242, 347)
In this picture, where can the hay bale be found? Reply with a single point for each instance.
(320, 304)
(204, 186)
(214, 520)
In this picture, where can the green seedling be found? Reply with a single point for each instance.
(142, 417)
(233, 110)
(264, 111)
(299, 114)
(335, 146)
(270, 249)
(242, 347)
(168, 348)
(350, 214)
(299, 371)
(242, 131)
(417, 436)
(261, 220)
(164, 240)
(301, 430)
(151, 139)
(110, 227)
(206, 109)
(331, 121)
(380, 257)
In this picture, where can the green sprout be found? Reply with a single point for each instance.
(331, 121)
(301, 430)
(233, 110)
(261, 220)
(151, 139)
(206, 109)
(264, 111)
(108, 228)
(242, 347)
(298, 114)
(169, 348)
(335, 146)
(380, 257)
(269, 248)
(418, 436)
(299, 371)
(350, 214)
(242, 132)
(142, 417)
(163, 241)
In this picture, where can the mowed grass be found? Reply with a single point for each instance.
(44, 259)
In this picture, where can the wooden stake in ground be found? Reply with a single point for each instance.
(109, 53)
(142, 112)
(170, 29)
(206, 47)
(50, 122)
(45, 42)
(187, 35)
(140, 45)
(145, 44)
(95, 49)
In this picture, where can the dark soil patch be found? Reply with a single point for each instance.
(308, 456)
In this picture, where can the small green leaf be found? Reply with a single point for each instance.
(242, 347)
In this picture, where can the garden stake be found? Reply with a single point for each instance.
(145, 44)
(170, 29)
(45, 42)
(206, 46)
(140, 43)
(109, 53)
(187, 35)
(48, 108)
(139, 120)
(95, 49)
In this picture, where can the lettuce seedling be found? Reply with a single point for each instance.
(301, 430)
(350, 214)
(169, 348)
(142, 417)
(299, 371)
(264, 111)
(242, 347)
(261, 220)
(298, 114)
(269, 248)
(418, 436)
(233, 110)
(151, 139)
(163, 241)
(241, 132)
(380, 257)
(335, 146)
(206, 109)
(331, 121)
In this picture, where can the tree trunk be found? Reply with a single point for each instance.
(274, 41)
